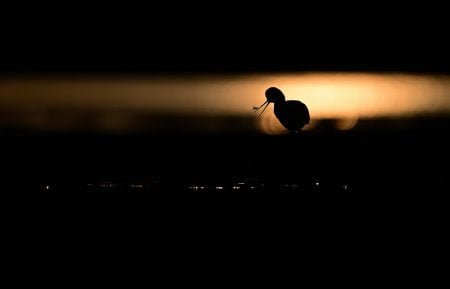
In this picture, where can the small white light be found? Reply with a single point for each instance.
(47, 187)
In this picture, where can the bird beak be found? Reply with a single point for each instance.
(257, 108)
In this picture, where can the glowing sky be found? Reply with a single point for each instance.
(327, 95)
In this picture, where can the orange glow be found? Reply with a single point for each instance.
(343, 96)
(268, 123)
(369, 95)
(346, 123)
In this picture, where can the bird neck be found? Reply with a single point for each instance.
(279, 102)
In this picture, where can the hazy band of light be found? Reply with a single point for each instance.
(328, 95)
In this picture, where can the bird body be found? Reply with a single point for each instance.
(292, 114)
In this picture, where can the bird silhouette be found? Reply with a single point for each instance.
(292, 114)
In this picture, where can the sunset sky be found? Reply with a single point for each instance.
(346, 96)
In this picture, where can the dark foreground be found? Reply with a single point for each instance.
(177, 199)
(378, 160)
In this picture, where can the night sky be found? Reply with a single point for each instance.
(227, 39)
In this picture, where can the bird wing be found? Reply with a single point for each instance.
(300, 111)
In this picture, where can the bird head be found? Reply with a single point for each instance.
(273, 94)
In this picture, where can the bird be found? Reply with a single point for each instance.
(292, 114)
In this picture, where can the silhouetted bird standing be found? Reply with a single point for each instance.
(292, 114)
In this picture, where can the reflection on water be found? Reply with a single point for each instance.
(123, 103)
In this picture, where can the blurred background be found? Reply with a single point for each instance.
(215, 103)
(139, 104)
(103, 131)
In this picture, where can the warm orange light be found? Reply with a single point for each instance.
(368, 95)
(268, 123)
(343, 96)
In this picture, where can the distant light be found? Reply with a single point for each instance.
(317, 183)
(345, 187)
(107, 185)
(241, 183)
(236, 187)
(47, 187)
(219, 188)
